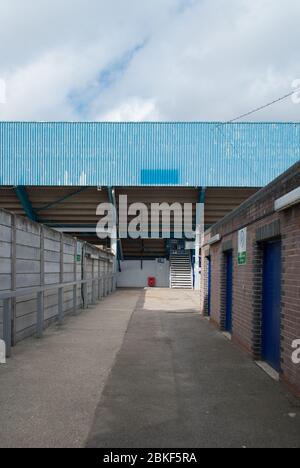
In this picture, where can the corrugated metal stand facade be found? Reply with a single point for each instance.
(146, 154)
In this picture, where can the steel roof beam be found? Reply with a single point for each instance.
(60, 200)
(23, 197)
(202, 194)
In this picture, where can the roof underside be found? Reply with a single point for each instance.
(70, 207)
(75, 210)
(146, 154)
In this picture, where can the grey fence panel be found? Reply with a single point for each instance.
(5, 233)
(5, 266)
(27, 253)
(5, 258)
(35, 256)
(78, 268)
(67, 275)
(5, 249)
(26, 274)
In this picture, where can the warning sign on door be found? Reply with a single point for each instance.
(242, 247)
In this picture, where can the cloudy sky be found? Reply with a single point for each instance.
(148, 59)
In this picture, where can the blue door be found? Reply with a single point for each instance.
(209, 287)
(229, 274)
(271, 308)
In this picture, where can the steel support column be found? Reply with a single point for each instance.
(199, 235)
(116, 244)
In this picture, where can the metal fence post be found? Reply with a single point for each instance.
(110, 279)
(60, 305)
(85, 296)
(75, 279)
(104, 280)
(7, 325)
(84, 275)
(13, 277)
(41, 295)
(61, 280)
(94, 301)
(99, 280)
(93, 292)
(40, 314)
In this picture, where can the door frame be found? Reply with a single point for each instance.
(275, 364)
(229, 268)
(209, 284)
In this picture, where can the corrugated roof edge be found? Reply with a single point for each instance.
(257, 196)
(59, 122)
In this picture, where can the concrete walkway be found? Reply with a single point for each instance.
(142, 369)
(50, 388)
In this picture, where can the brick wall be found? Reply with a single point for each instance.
(290, 221)
(263, 225)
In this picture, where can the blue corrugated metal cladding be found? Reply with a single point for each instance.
(146, 154)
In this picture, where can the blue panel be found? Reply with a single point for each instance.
(229, 275)
(209, 286)
(271, 304)
(160, 177)
(134, 154)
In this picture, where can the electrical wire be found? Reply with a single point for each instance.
(258, 109)
(232, 143)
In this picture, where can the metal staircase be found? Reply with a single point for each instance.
(181, 276)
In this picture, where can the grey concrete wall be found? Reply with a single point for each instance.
(33, 255)
(134, 274)
(5, 258)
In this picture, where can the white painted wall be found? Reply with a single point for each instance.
(134, 276)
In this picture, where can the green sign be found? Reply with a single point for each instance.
(242, 258)
(79, 252)
(242, 247)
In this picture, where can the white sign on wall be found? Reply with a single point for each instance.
(242, 247)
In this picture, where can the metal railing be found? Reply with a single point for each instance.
(106, 285)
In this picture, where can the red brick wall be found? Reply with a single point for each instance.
(290, 220)
(258, 213)
(215, 282)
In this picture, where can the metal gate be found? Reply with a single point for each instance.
(271, 307)
(229, 274)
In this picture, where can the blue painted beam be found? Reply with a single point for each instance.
(60, 200)
(23, 197)
(202, 195)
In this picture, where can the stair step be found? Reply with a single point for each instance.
(181, 271)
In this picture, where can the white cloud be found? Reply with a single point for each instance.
(150, 60)
(133, 110)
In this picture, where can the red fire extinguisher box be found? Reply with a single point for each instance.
(151, 282)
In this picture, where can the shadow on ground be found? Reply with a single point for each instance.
(177, 382)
